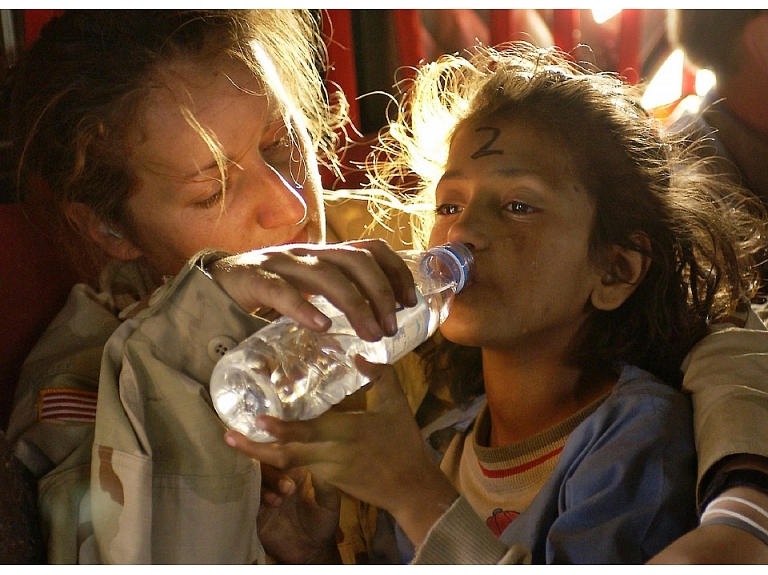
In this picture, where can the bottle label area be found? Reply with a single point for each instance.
(412, 329)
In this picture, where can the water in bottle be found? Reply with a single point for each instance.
(291, 372)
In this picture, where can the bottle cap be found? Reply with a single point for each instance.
(456, 257)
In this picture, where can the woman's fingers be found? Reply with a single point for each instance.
(365, 280)
(397, 278)
(259, 291)
(352, 280)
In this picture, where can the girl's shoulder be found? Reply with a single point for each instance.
(641, 419)
(641, 396)
(634, 380)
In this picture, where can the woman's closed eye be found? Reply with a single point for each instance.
(278, 151)
(214, 197)
(211, 201)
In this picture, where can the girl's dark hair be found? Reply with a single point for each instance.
(702, 230)
(79, 89)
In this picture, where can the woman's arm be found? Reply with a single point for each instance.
(727, 374)
(744, 541)
(366, 280)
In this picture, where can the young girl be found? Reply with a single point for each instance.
(601, 255)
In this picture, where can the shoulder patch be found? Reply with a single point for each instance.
(75, 405)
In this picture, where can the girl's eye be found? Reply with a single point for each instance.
(447, 209)
(520, 208)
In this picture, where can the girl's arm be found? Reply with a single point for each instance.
(377, 455)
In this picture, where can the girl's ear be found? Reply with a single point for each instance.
(627, 269)
(112, 242)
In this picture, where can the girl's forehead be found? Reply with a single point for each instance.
(493, 134)
(514, 143)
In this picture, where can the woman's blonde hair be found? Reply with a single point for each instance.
(80, 88)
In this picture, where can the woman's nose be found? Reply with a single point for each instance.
(281, 201)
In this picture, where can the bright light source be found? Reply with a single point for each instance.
(705, 79)
(604, 13)
(667, 85)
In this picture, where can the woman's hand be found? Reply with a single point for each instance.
(376, 455)
(365, 279)
(717, 543)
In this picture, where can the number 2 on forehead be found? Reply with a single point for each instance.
(485, 149)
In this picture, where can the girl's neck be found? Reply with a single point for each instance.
(529, 395)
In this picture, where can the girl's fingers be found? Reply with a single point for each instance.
(279, 454)
(299, 443)
(275, 485)
(384, 385)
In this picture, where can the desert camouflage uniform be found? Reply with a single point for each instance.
(165, 487)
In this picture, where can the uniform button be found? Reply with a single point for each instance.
(220, 345)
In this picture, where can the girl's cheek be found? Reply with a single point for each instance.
(438, 234)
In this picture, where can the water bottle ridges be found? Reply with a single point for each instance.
(291, 372)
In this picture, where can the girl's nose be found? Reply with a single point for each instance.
(282, 202)
(470, 228)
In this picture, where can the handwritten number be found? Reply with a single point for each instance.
(485, 149)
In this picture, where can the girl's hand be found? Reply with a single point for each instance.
(376, 455)
(365, 279)
(300, 525)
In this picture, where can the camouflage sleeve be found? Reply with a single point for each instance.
(727, 375)
(165, 488)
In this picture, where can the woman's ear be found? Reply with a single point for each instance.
(627, 269)
(111, 241)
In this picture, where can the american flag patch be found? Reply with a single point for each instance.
(67, 405)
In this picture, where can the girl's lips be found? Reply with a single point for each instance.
(473, 277)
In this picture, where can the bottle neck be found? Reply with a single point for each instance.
(451, 263)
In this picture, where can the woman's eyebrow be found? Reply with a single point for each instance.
(198, 171)
(228, 160)
(273, 116)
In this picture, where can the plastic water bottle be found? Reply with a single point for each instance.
(291, 372)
